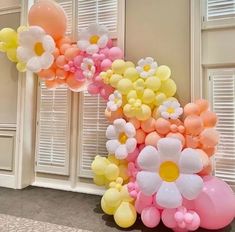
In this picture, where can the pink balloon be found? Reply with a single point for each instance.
(143, 201)
(133, 156)
(93, 89)
(50, 16)
(215, 204)
(105, 64)
(115, 53)
(150, 217)
(168, 218)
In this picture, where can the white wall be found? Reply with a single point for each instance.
(161, 29)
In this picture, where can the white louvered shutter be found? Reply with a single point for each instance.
(53, 120)
(220, 9)
(93, 123)
(222, 94)
(53, 130)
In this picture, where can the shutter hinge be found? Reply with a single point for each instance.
(209, 78)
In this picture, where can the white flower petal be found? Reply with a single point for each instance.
(121, 152)
(92, 49)
(83, 45)
(149, 60)
(165, 115)
(190, 161)
(34, 64)
(93, 29)
(149, 159)
(148, 182)
(26, 39)
(24, 54)
(144, 74)
(130, 130)
(151, 72)
(102, 42)
(46, 60)
(168, 195)
(84, 34)
(112, 145)
(48, 43)
(37, 32)
(169, 148)
(175, 104)
(179, 111)
(119, 125)
(189, 185)
(139, 69)
(131, 145)
(111, 97)
(141, 62)
(111, 133)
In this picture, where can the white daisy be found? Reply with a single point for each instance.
(88, 68)
(170, 110)
(169, 172)
(115, 101)
(121, 137)
(146, 67)
(93, 38)
(36, 48)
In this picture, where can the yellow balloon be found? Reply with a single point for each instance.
(112, 197)
(148, 96)
(125, 194)
(119, 66)
(21, 29)
(145, 113)
(124, 86)
(129, 64)
(113, 159)
(159, 99)
(99, 180)
(123, 172)
(11, 55)
(114, 79)
(112, 172)
(99, 165)
(125, 215)
(153, 83)
(127, 110)
(168, 87)
(132, 94)
(163, 72)
(8, 35)
(108, 210)
(131, 74)
(3, 47)
(21, 67)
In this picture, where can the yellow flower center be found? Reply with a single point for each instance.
(38, 49)
(171, 110)
(89, 66)
(94, 39)
(123, 138)
(147, 67)
(169, 171)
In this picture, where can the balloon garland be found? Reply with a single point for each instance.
(159, 153)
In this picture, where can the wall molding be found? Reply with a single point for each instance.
(10, 10)
(8, 126)
(7, 181)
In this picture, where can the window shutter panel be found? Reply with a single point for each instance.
(53, 130)
(222, 85)
(92, 127)
(220, 9)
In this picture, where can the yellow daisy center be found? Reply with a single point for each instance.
(94, 39)
(169, 171)
(38, 49)
(171, 110)
(123, 138)
(147, 67)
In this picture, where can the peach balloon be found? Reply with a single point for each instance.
(209, 118)
(61, 74)
(209, 137)
(192, 141)
(47, 74)
(191, 109)
(50, 16)
(64, 40)
(204, 157)
(174, 128)
(162, 126)
(202, 104)
(209, 150)
(71, 53)
(152, 139)
(112, 115)
(148, 125)
(181, 129)
(135, 122)
(73, 84)
(193, 125)
(64, 48)
(56, 53)
(140, 136)
(177, 136)
(61, 61)
(51, 84)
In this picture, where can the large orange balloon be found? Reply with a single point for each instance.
(50, 16)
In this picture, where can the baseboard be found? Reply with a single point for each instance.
(7, 181)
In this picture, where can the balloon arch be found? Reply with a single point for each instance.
(159, 154)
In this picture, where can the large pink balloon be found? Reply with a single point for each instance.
(50, 16)
(150, 217)
(215, 204)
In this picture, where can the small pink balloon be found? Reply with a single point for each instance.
(106, 91)
(150, 217)
(148, 125)
(115, 53)
(105, 64)
(143, 201)
(209, 137)
(133, 155)
(93, 89)
(104, 51)
(168, 218)
(215, 205)
(152, 139)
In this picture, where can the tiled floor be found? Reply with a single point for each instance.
(80, 211)
(16, 224)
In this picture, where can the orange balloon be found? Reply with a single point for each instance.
(75, 85)
(61, 61)
(135, 122)
(56, 52)
(113, 115)
(47, 74)
(71, 53)
(191, 109)
(148, 125)
(202, 104)
(210, 151)
(209, 118)
(191, 141)
(63, 40)
(52, 84)
(64, 48)
(61, 74)
(140, 136)
(177, 136)
(162, 126)
(152, 139)
(209, 137)
(50, 16)
(193, 125)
